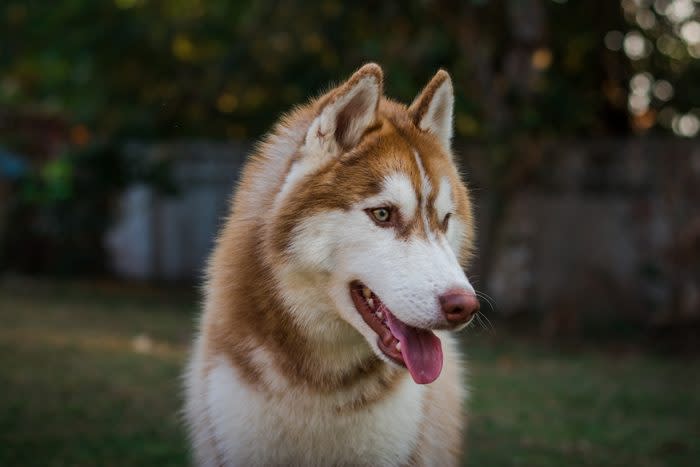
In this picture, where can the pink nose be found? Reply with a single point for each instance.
(458, 306)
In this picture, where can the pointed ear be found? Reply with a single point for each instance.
(433, 109)
(346, 112)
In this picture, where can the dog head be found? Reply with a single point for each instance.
(373, 223)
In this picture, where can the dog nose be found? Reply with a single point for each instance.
(458, 306)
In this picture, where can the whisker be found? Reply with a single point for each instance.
(487, 298)
(490, 324)
(473, 323)
(481, 322)
(481, 317)
(489, 303)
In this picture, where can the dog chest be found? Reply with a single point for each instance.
(295, 428)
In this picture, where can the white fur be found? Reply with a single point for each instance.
(397, 190)
(438, 117)
(444, 204)
(455, 234)
(197, 411)
(232, 424)
(295, 428)
(443, 201)
(425, 190)
(333, 248)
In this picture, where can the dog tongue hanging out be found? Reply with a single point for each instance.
(334, 288)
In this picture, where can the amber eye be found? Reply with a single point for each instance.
(446, 221)
(382, 215)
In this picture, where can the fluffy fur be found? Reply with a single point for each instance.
(284, 370)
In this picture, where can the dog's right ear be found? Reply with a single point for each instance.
(346, 112)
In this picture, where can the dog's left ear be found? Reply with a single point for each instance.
(346, 112)
(433, 109)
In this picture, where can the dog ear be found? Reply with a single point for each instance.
(433, 109)
(346, 112)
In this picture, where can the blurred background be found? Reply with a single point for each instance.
(124, 123)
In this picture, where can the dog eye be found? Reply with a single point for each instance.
(381, 215)
(446, 220)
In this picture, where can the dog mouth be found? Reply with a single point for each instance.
(419, 350)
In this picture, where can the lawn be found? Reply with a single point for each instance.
(89, 376)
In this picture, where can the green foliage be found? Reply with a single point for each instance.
(216, 68)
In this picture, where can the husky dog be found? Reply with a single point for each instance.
(333, 290)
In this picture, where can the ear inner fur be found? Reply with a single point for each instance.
(342, 118)
(350, 109)
(432, 109)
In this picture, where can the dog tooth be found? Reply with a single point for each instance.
(380, 315)
(366, 292)
(370, 302)
(398, 346)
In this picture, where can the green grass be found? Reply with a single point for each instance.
(75, 391)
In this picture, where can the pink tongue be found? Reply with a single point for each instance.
(420, 348)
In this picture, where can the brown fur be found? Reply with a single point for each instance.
(244, 310)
